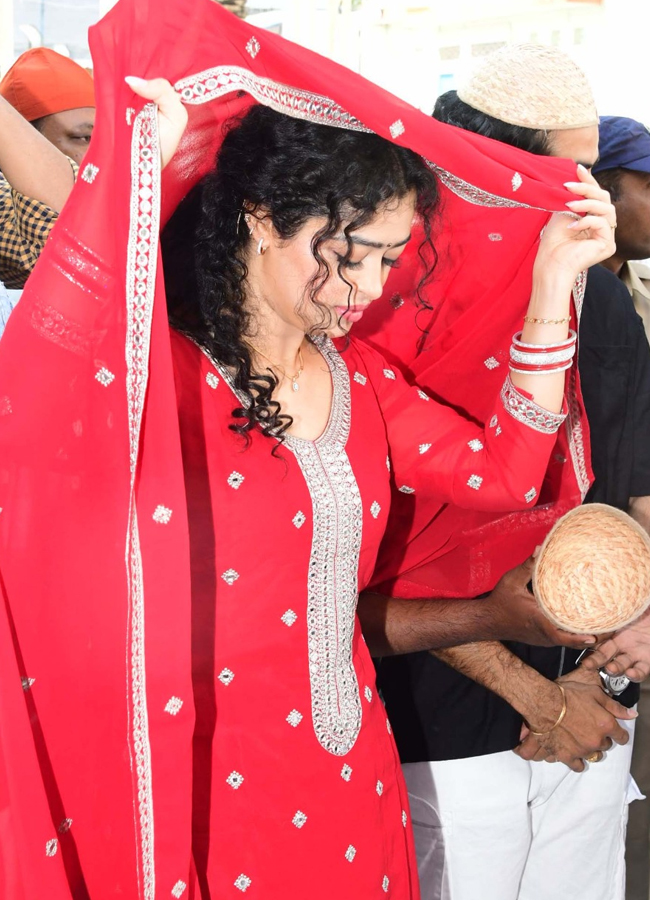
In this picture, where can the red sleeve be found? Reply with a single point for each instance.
(438, 453)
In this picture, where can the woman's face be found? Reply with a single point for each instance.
(282, 275)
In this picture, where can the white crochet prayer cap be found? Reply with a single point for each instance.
(530, 85)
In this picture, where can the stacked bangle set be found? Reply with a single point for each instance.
(542, 359)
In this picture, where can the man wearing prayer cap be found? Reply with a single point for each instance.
(490, 823)
(56, 95)
(623, 168)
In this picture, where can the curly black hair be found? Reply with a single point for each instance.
(452, 110)
(295, 171)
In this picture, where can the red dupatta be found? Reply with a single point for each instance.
(96, 717)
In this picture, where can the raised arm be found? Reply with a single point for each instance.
(30, 163)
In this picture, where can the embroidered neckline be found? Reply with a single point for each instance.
(336, 366)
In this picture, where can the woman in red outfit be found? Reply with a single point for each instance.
(270, 263)
(249, 753)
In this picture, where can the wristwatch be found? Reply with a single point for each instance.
(613, 684)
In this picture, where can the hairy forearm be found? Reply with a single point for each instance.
(30, 163)
(498, 669)
(391, 626)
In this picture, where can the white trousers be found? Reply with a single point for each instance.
(497, 827)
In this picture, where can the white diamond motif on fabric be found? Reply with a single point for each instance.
(52, 847)
(253, 47)
(65, 826)
(404, 818)
(162, 515)
(530, 496)
(405, 489)
(379, 788)
(423, 396)
(495, 237)
(230, 576)
(174, 706)
(235, 480)
(179, 889)
(375, 509)
(212, 380)
(385, 884)
(350, 853)
(346, 772)
(474, 481)
(294, 718)
(424, 447)
(388, 373)
(397, 129)
(367, 694)
(235, 780)
(27, 683)
(104, 377)
(475, 445)
(226, 676)
(299, 519)
(288, 618)
(517, 181)
(299, 819)
(359, 378)
(89, 173)
(243, 883)
(491, 363)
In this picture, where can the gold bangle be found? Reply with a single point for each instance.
(533, 321)
(559, 718)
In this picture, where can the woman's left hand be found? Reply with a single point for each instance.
(571, 247)
(172, 115)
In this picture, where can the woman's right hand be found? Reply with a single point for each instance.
(172, 115)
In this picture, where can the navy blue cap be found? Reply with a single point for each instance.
(622, 144)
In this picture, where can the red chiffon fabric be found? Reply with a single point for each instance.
(95, 625)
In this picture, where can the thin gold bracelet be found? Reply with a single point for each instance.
(533, 321)
(560, 718)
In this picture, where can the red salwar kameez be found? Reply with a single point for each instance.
(187, 708)
(298, 791)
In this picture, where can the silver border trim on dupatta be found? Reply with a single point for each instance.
(573, 425)
(214, 83)
(142, 259)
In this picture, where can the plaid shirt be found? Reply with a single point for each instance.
(25, 225)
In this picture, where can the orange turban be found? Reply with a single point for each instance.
(42, 82)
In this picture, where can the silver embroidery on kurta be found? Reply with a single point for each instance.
(333, 571)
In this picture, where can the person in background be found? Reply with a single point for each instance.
(38, 165)
(488, 822)
(623, 168)
(56, 95)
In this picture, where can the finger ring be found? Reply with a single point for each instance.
(595, 757)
